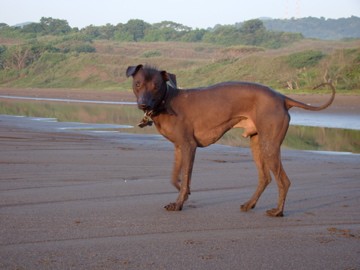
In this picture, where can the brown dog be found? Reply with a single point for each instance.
(199, 117)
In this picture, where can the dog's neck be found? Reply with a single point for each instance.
(170, 92)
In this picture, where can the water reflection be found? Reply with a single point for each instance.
(69, 100)
(298, 137)
(308, 138)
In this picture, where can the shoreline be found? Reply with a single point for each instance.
(343, 104)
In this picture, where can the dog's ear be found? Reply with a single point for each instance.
(164, 75)
(169, 77)
(132, 70)
(172, 79)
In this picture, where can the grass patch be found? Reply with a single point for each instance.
(305, 59)
(150, 54)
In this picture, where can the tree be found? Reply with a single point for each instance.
(91, 32)
(166, 31)
(252, 27)
(253, 32)
(173, 25)
(223, 34)
(194, 35)
(19, 57)
(54, 26)
(33, 28)
(48, 26)
(136, 29)
(107, 31)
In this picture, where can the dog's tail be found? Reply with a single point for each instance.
(289, 103)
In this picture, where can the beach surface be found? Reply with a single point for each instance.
(80, 199)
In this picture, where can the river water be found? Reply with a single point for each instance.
(308, 131)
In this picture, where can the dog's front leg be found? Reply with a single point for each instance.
(175, 180)
(187, 161)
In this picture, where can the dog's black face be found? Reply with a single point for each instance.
(149, 86)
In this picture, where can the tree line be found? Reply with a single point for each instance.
(321, 28)
(252, 32)
(270, 33)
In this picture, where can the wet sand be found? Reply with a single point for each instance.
(85, 200)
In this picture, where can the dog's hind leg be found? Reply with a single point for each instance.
(263, 173)
(283, 183)
(271, 152)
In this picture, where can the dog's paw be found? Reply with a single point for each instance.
(173, 207)
(275, 213)
(247, 206)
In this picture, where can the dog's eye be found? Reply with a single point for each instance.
(137, 84)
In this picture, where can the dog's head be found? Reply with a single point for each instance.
(149, 86)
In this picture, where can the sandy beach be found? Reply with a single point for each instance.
(75, 199)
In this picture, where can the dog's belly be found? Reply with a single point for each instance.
(209, 137)
(248, 126)
(210, 131)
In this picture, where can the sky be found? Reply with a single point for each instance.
(193, 13)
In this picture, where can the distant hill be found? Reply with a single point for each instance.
(321, 28)
(21, 25)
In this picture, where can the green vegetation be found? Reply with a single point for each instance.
(305, 59)
(51, 54)
(153, 53)
(252, 33)
(329, 29)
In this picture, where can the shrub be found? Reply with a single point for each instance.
(150, 54)
(85, 48)
(305, 59)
